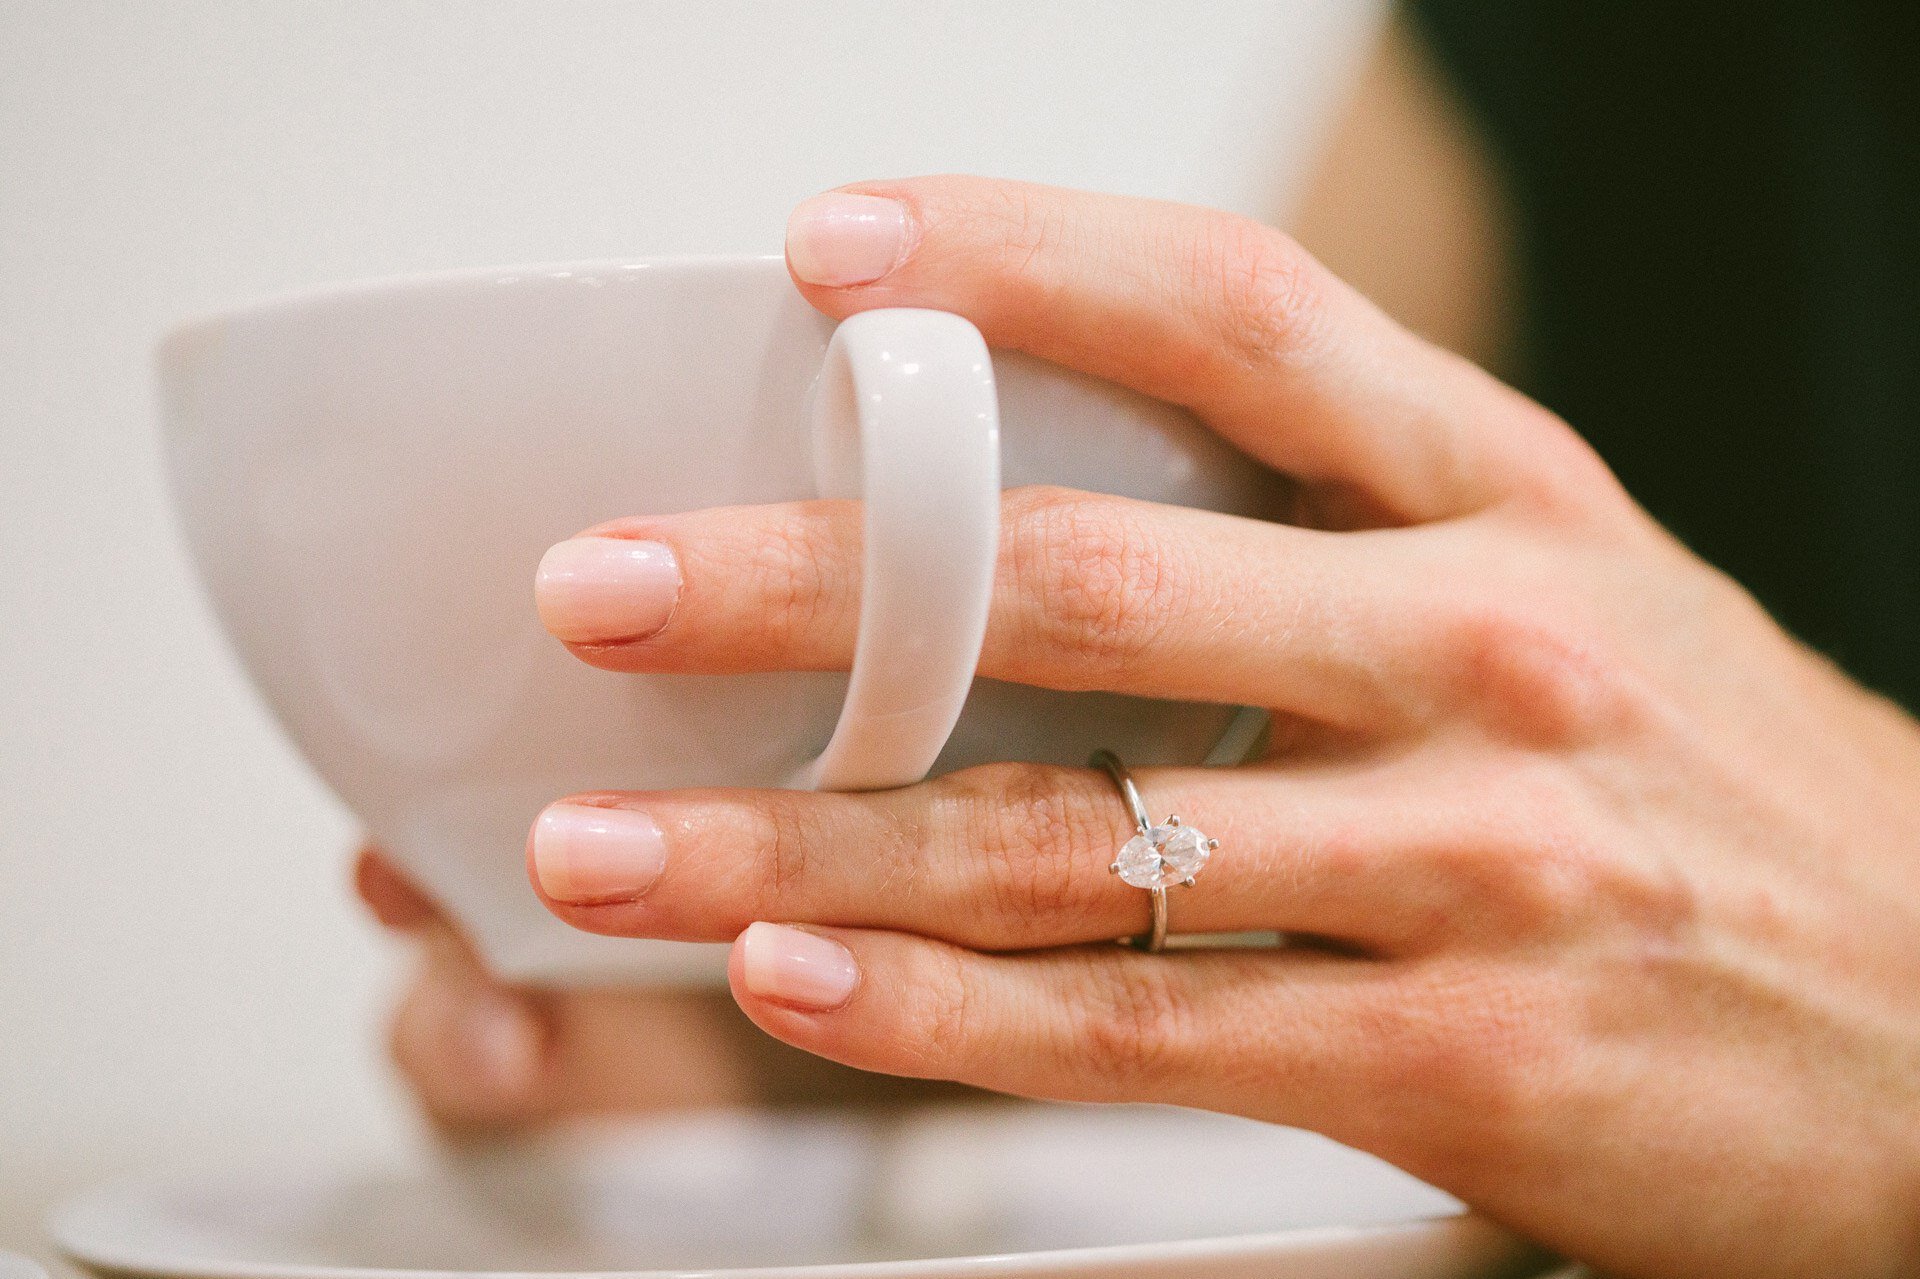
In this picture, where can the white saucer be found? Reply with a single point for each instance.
(1002, 1193)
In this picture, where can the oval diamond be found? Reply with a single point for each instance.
(1163, 856)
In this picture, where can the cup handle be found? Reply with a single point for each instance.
(904, 416)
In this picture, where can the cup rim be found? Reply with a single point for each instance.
(197, 324)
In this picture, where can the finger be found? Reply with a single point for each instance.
(474, 1051)
(1208, 310)
(1091, 591)
(1011, 857)
(1279, 1035)
(484, 1056)
(395, 900)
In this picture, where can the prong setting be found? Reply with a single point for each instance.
(1155, 857)
(1164, 855)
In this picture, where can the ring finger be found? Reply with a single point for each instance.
(1015, 857)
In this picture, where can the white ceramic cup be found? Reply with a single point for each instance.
(369, 474)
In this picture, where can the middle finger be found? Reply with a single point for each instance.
(1091, 592)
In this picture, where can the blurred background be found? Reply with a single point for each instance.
(184, 978)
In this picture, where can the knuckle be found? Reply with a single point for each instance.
(780, 830)
(1099, 586)
(1547, 864)
(1536, 675)
(941, 1028)
(1529, 869)
(1021, 225)
(781, 573)
(1480, 1046)
(1011, 223)
(1536, 888)
(1647, 898)
(1133, 1022)
(1568, 482)
(1258, 292)
(1039, 843)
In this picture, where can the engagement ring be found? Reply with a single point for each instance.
(1156, 858)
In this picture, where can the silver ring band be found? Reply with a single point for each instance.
(1154, 940)
(1128, 791)
(1156, 856)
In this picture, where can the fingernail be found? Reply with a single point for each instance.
(606, 590)
(584, 855)
(795, 967)
(839, 239)
(498, 1047)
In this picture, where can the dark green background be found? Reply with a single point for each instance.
(1719, 228)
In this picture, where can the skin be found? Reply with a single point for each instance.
(1404, 205)
(1407, 206)
(487, 1061)
(1608, 888)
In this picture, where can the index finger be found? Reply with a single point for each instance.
(1211, 311)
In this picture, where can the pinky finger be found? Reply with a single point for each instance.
(1272, 1034)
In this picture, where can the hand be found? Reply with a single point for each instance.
(1614, 888)
(485, 1058)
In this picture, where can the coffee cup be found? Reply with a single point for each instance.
(369, 474)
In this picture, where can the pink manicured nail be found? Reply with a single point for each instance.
(606, 590)
(796, 967)
(583, 854)
(839, 239)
